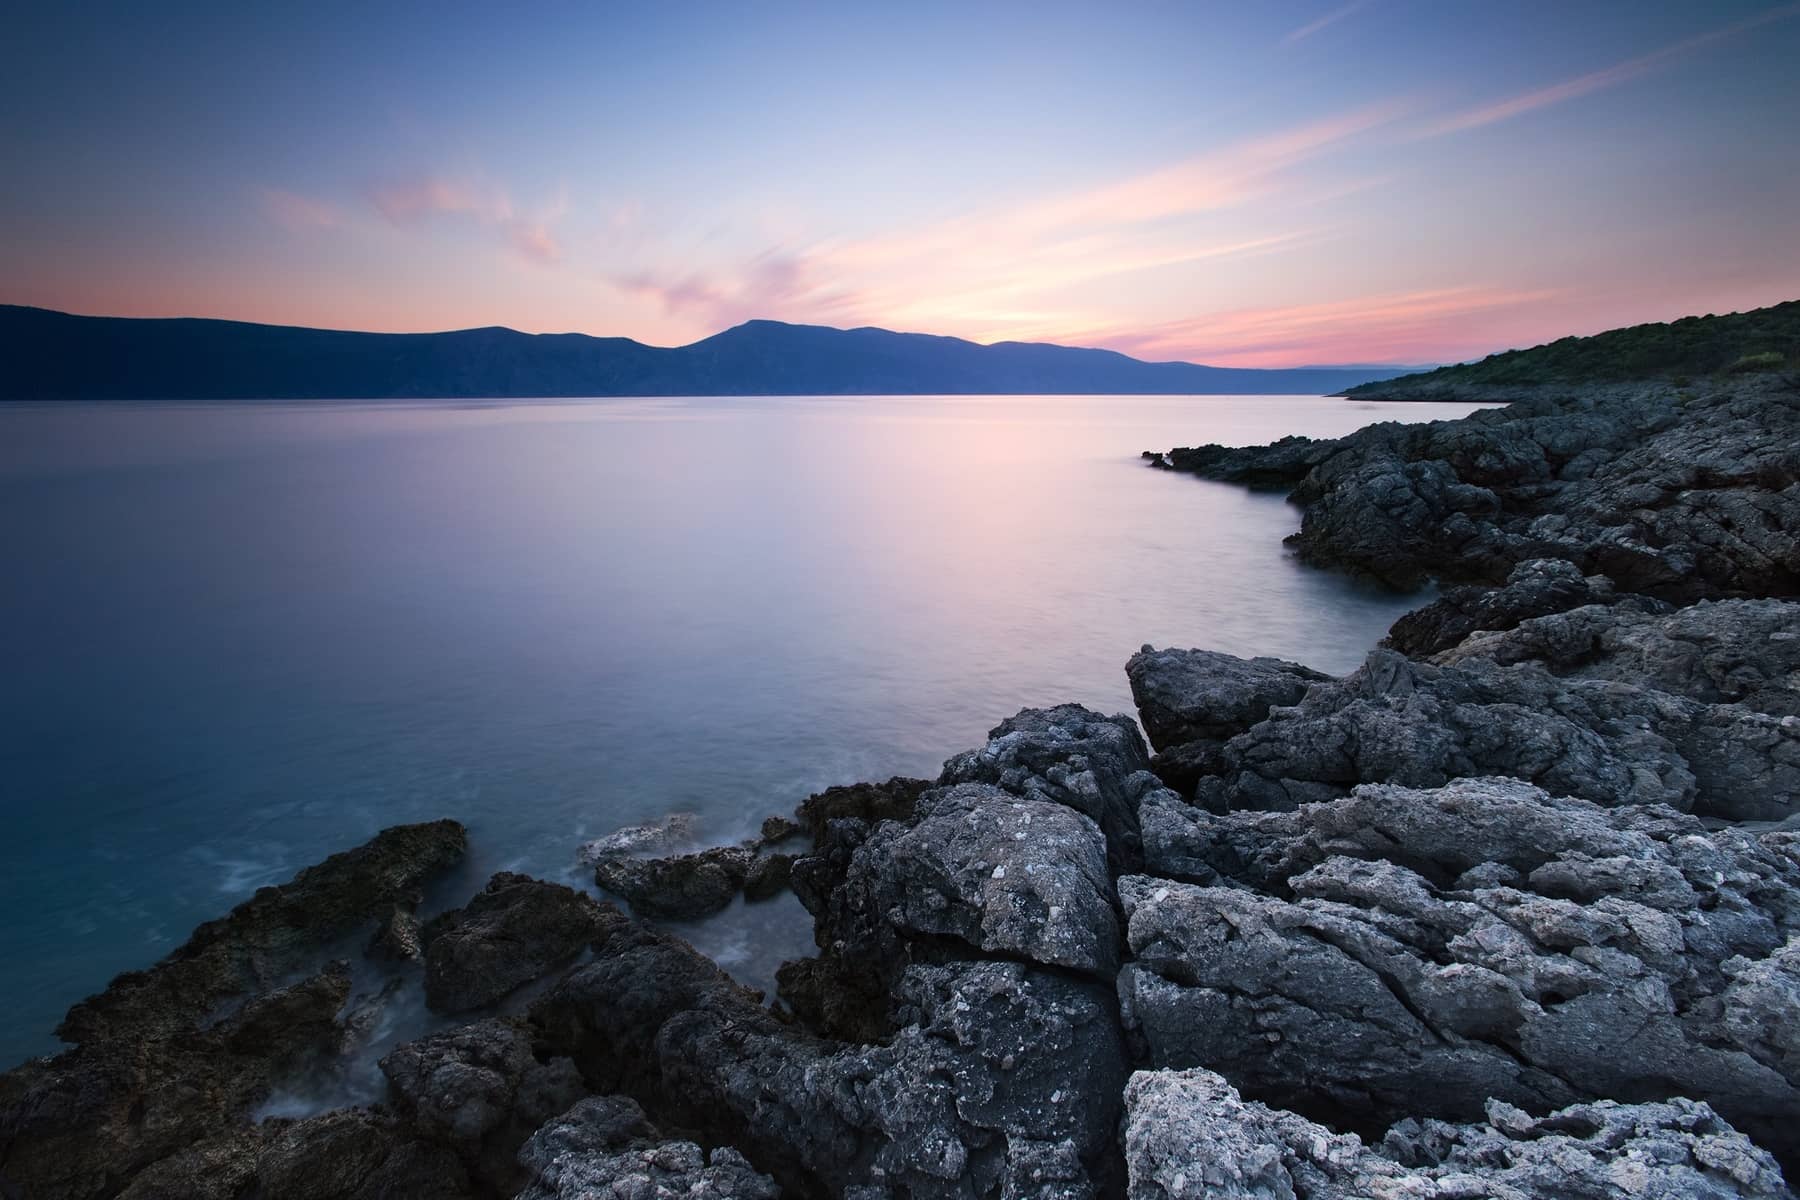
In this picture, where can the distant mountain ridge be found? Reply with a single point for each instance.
(46, 355)
(1762, 340)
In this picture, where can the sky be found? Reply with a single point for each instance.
(1274, 184)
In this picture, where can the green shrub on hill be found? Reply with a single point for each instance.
(1765, 339)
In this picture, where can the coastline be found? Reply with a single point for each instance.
(1493, 874)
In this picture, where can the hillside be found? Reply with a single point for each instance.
(1764, 339)
(57, 356)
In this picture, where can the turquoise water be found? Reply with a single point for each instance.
(239, 637)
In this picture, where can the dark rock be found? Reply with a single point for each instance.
(689, 885)
(1067, 755)
(398, 938)
(1537, 587)
(866, 802)
(768, 876)
(514, 931)
(976, 1093)
(480, 1090)
(276, 932)
(1415, 952)
(776, 830)
(1188, 1135)
(1719, 652)
(604, 1147)
(83, 1123)
(1676, 495)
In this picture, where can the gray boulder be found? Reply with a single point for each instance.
(1066, 755)
(604, 1149)
(1414, 952)
(1398, 721)
(1188, 1135)
(1536, 587)
(1724, 652)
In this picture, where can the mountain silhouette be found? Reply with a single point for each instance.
(46, 355)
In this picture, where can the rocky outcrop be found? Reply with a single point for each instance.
(604, 1147)
(976, 1092)
(514, 931)
(275, 933)
(1399, 721)
(1188, 1135)
(686, 886)
(1418, 952)
(1725, 652)
(1680, 496)
(481, 1091)
(171, 1056)
(1537, 587)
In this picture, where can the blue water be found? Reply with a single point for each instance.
(235, 638)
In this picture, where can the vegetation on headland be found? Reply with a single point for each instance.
(1764, 339)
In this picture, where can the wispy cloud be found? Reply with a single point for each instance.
(415, 200)
(298, 213)
(1330, 18)
(1401, 327)
(1595, 81)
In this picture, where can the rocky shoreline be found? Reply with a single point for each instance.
(1512, 910)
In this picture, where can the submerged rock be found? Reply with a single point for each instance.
(1188, 1135)
(514, 931)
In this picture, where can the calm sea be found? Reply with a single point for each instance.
(236, 638)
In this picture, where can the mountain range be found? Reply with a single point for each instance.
(46, 355)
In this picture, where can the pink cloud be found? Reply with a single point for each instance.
(409, 202)
(1330, 18)
(779, 284)
(1403, 327)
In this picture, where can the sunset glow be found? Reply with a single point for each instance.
(1269, 185)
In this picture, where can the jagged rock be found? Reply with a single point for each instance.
(1403, 952)
(1535, 588)
(688, 885)
(171, 1056)
(768, 876)
(604, 1148)
(84, 1122)
(776, 830)
(1004, 874)
(1398, 721)
(480, 1090)
(673, 831)
(514, 931)
(1680, 496)
(278, 931)
(1188, 1135)
(1722, 652)
(355, 1154)
(865, 802)
(1066, 755)
(397, 938)
(975, 1093)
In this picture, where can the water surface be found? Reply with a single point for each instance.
(238, 637)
